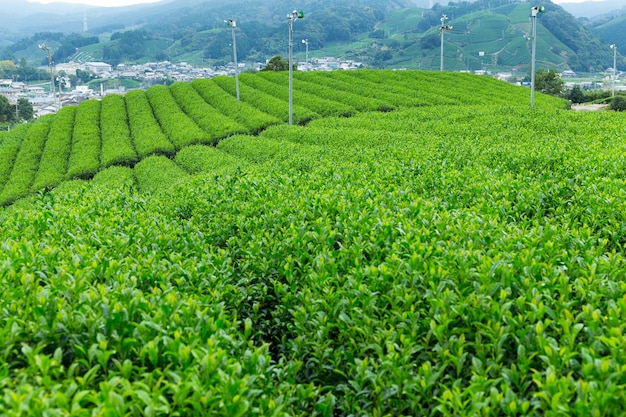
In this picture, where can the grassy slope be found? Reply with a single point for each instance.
(461, 258)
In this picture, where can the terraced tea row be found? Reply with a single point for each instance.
(79, 142)
(443, 260)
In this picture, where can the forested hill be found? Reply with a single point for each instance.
(381, 33)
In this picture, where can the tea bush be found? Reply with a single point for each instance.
(244, 113)
(84, 158)
(53, 164)
(266, 102)
(461, 259)
(215, 123)
(117, 146)
(180, 129)
(146, 133)
(26, 164)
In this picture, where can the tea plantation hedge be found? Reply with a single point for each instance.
(464, 257)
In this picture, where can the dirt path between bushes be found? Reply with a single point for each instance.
(589, 107)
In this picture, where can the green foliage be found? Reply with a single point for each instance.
(129, 46)
(26, 162)
(244, 113)
(147, 136)
(353, 102)
(217, 124)
(84, 158)
(588, 50)
(84, 76)
(24, 109)
(255, 150)
(421, 256)
(131, 132)
(610, 29)
(181, 130)
(276, 63)
(367, 31)
(618, 103)
(576, 95)
(68, 43)
(265, 102)
(338, 90)
(206, 159)
(9, 148)
(117, 146)
(549, 82)
(7, 112)
(157, 172)
(116, 177)
(359, 83)
(53, 165)
(444, 259)
(278, 87)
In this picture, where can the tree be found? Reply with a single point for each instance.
(576, 95)
(277, 63)
(25, 72)
(549, 82)
(84, 76)
(7, 112)
(25, 109)
(618, 103)
(7, 69)
(430, 42)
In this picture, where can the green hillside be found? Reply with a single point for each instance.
(612, 32)
(381, 34)
(445, 250)
(500, 33)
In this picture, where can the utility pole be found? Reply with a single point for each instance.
(291, 17)
(614, 48)
(306, 56)
(442, 29)
(46, 48)
(232, 24)
(533, 16)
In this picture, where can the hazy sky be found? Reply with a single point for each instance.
(571, 1)
(104, 3)
(116, 3)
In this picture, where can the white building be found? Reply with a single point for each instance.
(70, 67)
(98, 68)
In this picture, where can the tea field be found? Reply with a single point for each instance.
(420, 244)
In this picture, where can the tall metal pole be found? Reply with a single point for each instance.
(233, 25)
(290, 18)
(46, 48)
(533, 19)
(442, 29)
(614, 48)
(306, 56)
(443, 18)
(60, 81)
(532, 65)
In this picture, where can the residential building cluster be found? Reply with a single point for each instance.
(152, 73)
(148, 74)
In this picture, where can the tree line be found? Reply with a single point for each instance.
(22, 111)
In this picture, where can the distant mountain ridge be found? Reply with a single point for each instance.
(590, 9)
(488, 34)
